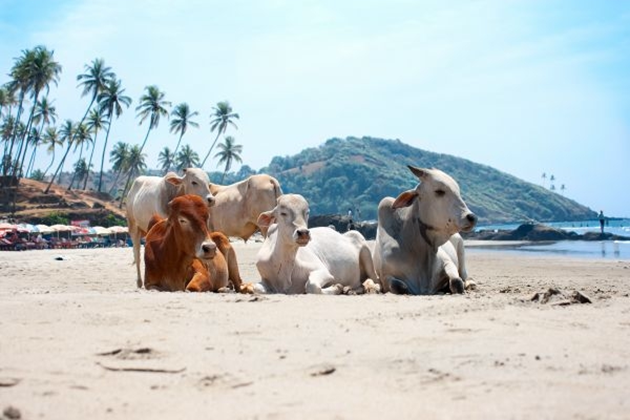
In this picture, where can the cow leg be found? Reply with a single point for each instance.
(455, 283)
(397, 286)
(458, 242)
(366, 264)
(134, 233)
(251, 288)
(227, 250)
(322, 282)
(199, 283)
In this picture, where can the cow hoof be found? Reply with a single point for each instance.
(139, 283)
(247, 288)
(398, 287)
(456, 286)
(337, 289)
(470, 285)
(370, 287)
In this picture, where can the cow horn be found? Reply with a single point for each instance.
(419, 172)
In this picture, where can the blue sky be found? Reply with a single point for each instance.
(524, 86)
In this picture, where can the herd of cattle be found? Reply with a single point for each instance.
(186, 222)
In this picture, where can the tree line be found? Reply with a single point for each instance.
(28, 121)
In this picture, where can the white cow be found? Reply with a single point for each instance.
(237, 206)
(150, 195)
(294, 259)
(418, 249)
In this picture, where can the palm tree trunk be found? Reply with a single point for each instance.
(111, 191)
(100, 176)
(14, 134)
(63, 160)
(146, 137)
(74, 175)
(177, 146)
(51, 162)
(87, 175)
(210, 151)
(31, 162)
(24, 142)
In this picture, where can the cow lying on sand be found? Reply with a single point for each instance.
(150, 195)
(181, 253)
(237, 206)
(294, 259)
(418, 249)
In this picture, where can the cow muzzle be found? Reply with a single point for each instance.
(302, 236)
(210, 200)
(208, 250)
(469, 222)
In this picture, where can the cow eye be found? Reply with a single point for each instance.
(194, 183)
(283, 213)
(440, 193)
(182, 221)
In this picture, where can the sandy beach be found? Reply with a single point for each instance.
(78, 340)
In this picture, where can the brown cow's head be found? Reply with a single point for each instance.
(439, 204)
(291, 216)
(188, 220)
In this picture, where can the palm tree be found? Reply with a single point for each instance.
(152, 106)
(35, 139)
(137, 164)
(45, 114)
(95, 80)
(166, 159)
(80, 170)
(229, 153)
(221, 117)
(7, 100)
(66, 133)
(182, 118)
(110, 102)
(562, 188)
(52, 140)
(19, 83)
(81, 137)
(544, 178)
(186, 158)
(40, 70)
(95, 122)
(6, 133)
(119, 157)
(551, 181)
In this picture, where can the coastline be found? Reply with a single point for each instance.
(79, 340)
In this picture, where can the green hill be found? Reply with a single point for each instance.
(358, 172)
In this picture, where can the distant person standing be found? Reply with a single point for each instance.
(602, 220)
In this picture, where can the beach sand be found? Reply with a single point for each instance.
(79, 341)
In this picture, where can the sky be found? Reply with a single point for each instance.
(525, 86)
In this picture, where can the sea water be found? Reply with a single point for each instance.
(612, 249)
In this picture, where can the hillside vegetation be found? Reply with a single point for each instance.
(357, 173)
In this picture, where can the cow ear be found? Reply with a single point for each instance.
(173, 179)
(419, 172)
(265, 219)
(405, 199)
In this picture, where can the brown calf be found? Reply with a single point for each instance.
(181, 254)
